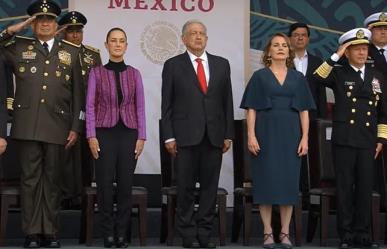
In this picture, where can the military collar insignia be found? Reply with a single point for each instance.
(88, 58)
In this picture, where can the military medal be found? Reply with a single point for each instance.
(29, 55)
(376, 85)
(33, 69)
(64, 57)
(67, 77)
(22, 69)
(58, 73)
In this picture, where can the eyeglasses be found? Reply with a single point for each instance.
(297, 35)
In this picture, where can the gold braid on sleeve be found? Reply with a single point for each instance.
(382, 131)
(324, 70)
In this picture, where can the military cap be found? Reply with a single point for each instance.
(44, 7)
(356, 36)
(377, 19)
(73, 18)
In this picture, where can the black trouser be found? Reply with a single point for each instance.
(116, 158)
(200, 163)
(354, 180)
(40, 190)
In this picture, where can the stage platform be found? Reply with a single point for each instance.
(70, 227)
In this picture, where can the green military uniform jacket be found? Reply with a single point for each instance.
(49, 95)
(89, 58)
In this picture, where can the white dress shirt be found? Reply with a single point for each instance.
(204, 59)
(50, 43)
(301, 63)
(362, 70)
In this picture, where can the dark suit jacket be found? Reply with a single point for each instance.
(186, 113)
(317, 90)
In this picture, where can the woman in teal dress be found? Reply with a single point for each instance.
(277, 100)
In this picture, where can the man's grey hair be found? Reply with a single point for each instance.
(189, 22)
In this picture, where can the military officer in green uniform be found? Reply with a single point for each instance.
(47, 115)
(359, 130)
(78, 160)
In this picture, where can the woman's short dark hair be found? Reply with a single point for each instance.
(266, 58)
(115, 29)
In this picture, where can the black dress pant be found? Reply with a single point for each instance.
(40, 188)
(117, 163)
(199, 163)
(354, 169)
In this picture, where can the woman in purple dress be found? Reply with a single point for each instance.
(115, 128)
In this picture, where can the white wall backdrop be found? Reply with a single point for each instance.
(154, 28)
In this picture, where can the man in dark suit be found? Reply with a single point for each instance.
(197, 125)
(78, 162)
(358, 134)
(307, 63)
(47, 116)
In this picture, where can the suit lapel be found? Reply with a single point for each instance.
(211, 66)
(310, 65)
(191, 74)
(39, 47)
(54, 49)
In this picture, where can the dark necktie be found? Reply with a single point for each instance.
(201, 76)
(360, 74)
(45, 46)
(382, 53)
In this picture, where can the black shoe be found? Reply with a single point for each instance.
(190, 244)
(208, 245)
(121, 242)
(32, 241)
(108, 242)
(50, 241)
(345, 245)
(368, 244)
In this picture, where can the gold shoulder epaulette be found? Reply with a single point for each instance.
(91, 48)
(9, 43)
(382, 131)
(25, 37)
(324, 70)
(72, 44)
